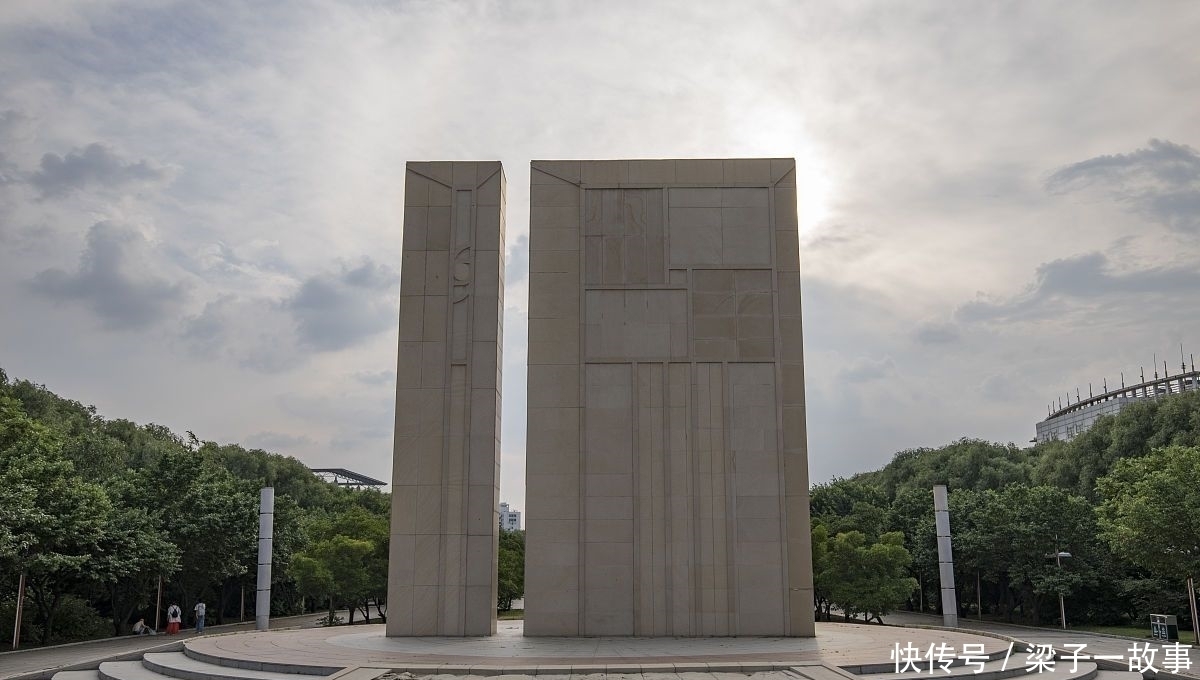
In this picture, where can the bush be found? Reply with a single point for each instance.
(30, 632)
(330, 620)
(76, 620)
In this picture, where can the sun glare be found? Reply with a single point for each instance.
(781, 131)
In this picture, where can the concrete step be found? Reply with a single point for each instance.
(996, 670)
(294, 669)
(875, 669)
(76, 675)
(184, 667)
(126, 670)
(1118, 675)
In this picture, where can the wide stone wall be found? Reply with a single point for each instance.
(667, 473)
(445, 470)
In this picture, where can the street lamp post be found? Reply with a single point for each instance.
(1058, 558)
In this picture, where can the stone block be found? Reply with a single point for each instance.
(554, 172)
(740, 171)
(700, 171)
(604, 172)
(652, 172)
(447, 459)
(553, 196)
(686, 314)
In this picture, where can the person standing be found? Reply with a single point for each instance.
(199, 609)
(174, 618)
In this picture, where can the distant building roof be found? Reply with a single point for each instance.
(344, 477)
(1067, 422)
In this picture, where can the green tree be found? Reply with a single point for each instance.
(360, 523)
(211, 517)
(132, 502)
(911, 513)
(511, 572)
(823, 575)
(338, 566)
(133, 553)
(868, 578)
(1150, 508)
(58, 521)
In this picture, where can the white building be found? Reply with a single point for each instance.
(510, 520)
(1074, 419)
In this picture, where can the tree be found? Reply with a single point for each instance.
(204, 511)
(911, 513)
(1010, 537)
(313, 579)
(359, 523)
(133, 553)
(58, 520)
(823, 576)
(863, 577)
(95, 510)
(511, 572)
(334, 568)
(1150, 508)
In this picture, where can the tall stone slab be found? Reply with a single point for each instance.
(445, 472)
(667, 471)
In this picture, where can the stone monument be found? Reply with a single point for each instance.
(445, 468)
(667, 472)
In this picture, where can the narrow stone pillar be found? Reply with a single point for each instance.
(941, 518)
(266, 537)
(446, 465)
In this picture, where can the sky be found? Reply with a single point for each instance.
(200, 203)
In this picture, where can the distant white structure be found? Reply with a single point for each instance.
(1074, 419)
(510, 520)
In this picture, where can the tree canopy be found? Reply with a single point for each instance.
(95, 511)
(1121, 498)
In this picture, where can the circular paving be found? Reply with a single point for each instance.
(836, 644)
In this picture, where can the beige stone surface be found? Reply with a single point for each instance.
(844, 645)
(445, 472)
(667, 473)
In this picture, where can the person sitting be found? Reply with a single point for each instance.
(140, 628)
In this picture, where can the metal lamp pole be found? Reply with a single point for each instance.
(1058, 558)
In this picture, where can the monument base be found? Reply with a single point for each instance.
(838, 650)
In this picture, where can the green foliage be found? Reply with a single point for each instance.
(860, 576)
(346, 560)
(848, 505)
(511, 572)
(1149, 510)
(1105, 496)
(1133, 433)
(56, 526)
(965, 464)
(95, 511)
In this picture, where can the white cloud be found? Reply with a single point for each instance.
(976, 182)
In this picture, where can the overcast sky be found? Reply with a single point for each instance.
(200, 220)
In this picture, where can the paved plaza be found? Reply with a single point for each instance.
(835, 644)
(363, 653)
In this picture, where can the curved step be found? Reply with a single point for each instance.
(126, 670)
(996, 670)
(76, 675)
(293, 668)
(184, 667)
(889, 667)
